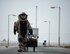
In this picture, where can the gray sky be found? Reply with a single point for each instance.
(45, 13)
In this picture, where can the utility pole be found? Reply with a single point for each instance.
(36, 16)
(8, 25)
(58, 25)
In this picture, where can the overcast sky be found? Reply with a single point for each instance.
(45, 13)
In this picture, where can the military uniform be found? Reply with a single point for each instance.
(22, 27)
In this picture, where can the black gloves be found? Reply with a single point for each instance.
(14, 29)
(31, 31)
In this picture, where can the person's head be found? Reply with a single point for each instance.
(23, 16)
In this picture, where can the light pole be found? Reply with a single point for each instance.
(36, 16)
(49, 31)
(8, 25)
(58, 25)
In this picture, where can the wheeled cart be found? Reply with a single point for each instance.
(32, 42)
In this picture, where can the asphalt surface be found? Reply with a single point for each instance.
(38, 50)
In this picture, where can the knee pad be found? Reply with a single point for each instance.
(24, 42)
(20, 44)
(20, 39)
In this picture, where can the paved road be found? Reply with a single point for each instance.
(39, 50)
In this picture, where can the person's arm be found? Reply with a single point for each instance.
(16, 25)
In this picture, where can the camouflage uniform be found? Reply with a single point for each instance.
(22, 39)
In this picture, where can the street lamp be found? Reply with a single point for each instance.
(58, 25)
(36, 15)
(49, 31)
(8, 25)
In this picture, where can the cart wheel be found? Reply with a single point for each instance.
(27, 49)
(33, 49)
